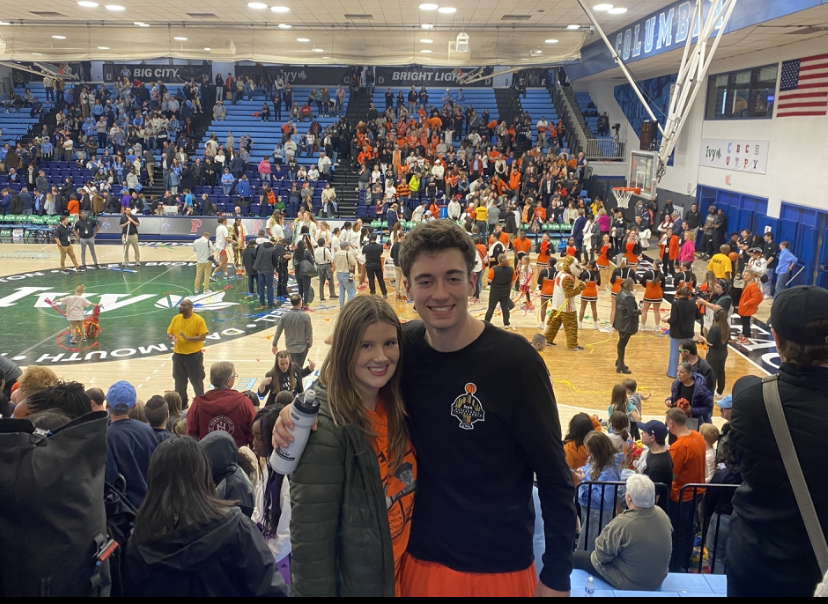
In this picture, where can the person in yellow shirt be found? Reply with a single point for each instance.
(187, 331)
(720, 264)
(481, 212)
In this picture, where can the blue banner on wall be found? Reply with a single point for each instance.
(669, 28)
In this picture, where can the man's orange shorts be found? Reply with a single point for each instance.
(430, 579)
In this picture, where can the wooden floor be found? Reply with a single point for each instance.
(582, 380)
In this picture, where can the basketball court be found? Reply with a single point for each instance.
(139, 302)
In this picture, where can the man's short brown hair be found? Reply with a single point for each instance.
(436, 236)
(677, 416)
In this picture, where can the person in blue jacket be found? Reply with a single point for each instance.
(243, 188)
(691, 388)
(597, 503)
(227, 182)
(785, 263)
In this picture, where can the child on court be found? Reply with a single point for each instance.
(75, 306)
(526, 272)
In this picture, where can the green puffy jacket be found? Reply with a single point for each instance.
(340, 538)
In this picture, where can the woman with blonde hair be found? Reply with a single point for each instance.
(353, 491)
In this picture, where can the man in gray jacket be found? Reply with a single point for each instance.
(633, 551)
(296, 324)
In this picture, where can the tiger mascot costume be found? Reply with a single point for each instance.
(567, 288)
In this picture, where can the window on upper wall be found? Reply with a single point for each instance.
(744, 94)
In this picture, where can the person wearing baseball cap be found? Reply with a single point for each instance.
(129, 443)
(769, 552)
(656, 462)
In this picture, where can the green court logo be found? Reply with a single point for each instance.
(137, 306)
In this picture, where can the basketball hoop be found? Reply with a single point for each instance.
(623, 194)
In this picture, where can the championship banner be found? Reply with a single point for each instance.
(426, 76)
(735, 154)
(168, 74)
(298, 75)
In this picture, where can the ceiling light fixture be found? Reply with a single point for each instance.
(180, 38)
(207, 49)
(280, 9)
(317, 50)
(38, 54)
(115, 7)
(426, 41)
(86, 4)
(4, 23)
(103, 47)
(427, 26)
(428, 7)
(552, 41)
(58, 37)
(426, 51)
(284, 26)
(257, 5)
(602, 7)
(302, 39)
(447, 10)
(620, 10)
(141, 24)
(573, 27)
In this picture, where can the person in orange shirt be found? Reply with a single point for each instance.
(499, 235)
(368, 443)
(544, 250)
(592, 279)
(688, 453)
(602, 260)
(576, 453)
(514, 180)
(546, 285)
(73, 207)
(749, 303)
(521, 244)
(539, 212)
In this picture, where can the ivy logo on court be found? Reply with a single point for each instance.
(137, 305)
(468, 409)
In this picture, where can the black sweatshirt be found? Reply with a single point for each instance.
(484, 419)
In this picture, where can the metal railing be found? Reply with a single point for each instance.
(604, 149)
(684, 521)
(575, 136)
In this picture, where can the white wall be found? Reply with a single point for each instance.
(798, 156)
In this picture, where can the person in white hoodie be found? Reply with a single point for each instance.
(75, 306)
(455, 210)
(272, 497)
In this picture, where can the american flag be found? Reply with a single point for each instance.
(803, 89)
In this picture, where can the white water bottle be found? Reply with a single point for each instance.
(303, 414)
(589, 588)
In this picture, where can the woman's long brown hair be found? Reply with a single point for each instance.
(601, 451)
(722, 319)
(337, 374)
(276, 383)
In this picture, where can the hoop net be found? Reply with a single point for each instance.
(623, 194)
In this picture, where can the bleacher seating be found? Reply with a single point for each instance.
(590, 112)
(538, 103)
(239, 120)
(479, 98)
(675, 585)
(15, 123)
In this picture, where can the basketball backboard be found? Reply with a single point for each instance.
(643, 173)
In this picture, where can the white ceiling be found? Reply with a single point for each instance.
(235, 32)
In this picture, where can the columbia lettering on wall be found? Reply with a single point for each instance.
(169, 74)
(735, 154)
(425, 76)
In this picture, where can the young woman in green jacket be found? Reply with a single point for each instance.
(352, 494)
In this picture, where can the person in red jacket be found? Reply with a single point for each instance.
(749, 303)
(222, 408)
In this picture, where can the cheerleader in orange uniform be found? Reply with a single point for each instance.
(546, 285)
(652, 280)
(632, 249)
(592, 278)
(602, 260)
(686, 276)
(544, 250)
(616, 279)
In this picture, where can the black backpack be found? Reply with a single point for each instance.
(53, 520)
